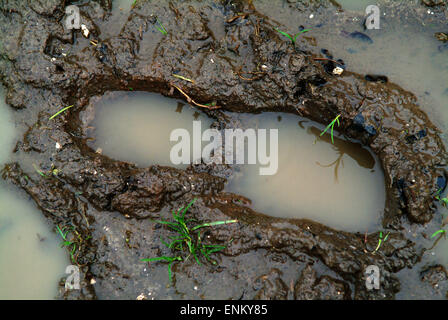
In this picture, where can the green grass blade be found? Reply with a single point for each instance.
(162, 28)
(175, 214)
(298, 34)
(196, 258)
(285, 34)
(39, 171)
(60, 232)
(172, 225)
(188, 207)
(65, 243)
(325, 130)
(170, 272)
(59, 112)
(378, 246)
(437, 232)
(211, 224)
(171, 245)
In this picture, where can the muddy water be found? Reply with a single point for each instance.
(356, 5)
(122, 5)
(136, 126)
(31, 261)
(340, 185)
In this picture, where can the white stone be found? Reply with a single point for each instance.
(85, 31)
(338, 71)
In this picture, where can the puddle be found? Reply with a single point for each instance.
(340, 185)
(31, 261)
(122, 5)
(136, 126)
(356, 5)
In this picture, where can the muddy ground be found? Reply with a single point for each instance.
(238, 61)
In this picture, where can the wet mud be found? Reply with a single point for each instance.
(239, 62)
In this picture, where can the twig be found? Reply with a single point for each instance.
(192, 101)
(182, 77)
(442, 234)
(236, 17)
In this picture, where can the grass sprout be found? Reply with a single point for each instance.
(444, 200)
(161, 29)
(441, 233)
(59, 112)
(74, 244)
(188, 240)
(39, 171)
(331, 125)
(291, 37)
(66, 243)
(381, 241)
(53, 171)
(437, 232)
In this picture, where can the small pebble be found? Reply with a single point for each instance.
(338, 71)
(85, 31)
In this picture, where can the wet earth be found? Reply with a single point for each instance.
(239, 63)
